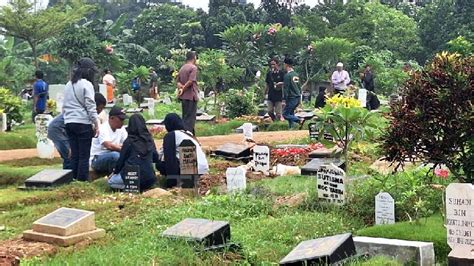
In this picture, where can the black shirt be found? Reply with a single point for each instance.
(274, 95)
(368, 81)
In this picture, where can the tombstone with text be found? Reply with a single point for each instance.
(331, 184)
(384, 209)
(261, 158)
(188, 177)
(314, 133)
(248, 130)
(44, 146)
(131, 180)
(236, 179)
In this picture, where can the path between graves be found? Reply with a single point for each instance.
(208, 143)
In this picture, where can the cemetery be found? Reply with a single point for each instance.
(363, 173)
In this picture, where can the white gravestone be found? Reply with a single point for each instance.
(103, 90)
(236, 180)
(384, 209)
(460, 215)
(44, 146)
(331, 184)
(59, 102)
(167, 100)
(127, 99)
(261, 158)
(363, 97)
(55, 89)
(4, 122)
(248, 130)
(151, 107)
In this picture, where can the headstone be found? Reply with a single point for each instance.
(103, 90)
(64, 227)
(461, 256)
(4, 122)
(240, 129)
(314, 165)
(314, 133)
(460, 215)
(362, 95)
(134, 110)
(49, 178)
(331, 184)
(151, 107)
(248, 130)
(188, 158)
(384, 209)
(131, 180)
(236, 179)
(59, 102)
(127, 99)
(167, 100)
(233, 151)
(306, 95)
(44, 146)
(201, 95)
(54, 90)
(202, 231)
(321, 251)
(206, 118)
(261, 157)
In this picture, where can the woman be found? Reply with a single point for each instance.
(80, 116)
(169, 161)
(137, 150)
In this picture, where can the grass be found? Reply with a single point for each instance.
(288, 185)
(17, 175)
(22, 137)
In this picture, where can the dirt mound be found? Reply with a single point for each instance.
(13, 250)
(291, 201)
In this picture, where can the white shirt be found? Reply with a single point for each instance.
(337, 77)
(108, 79)
(107, 134)
(203, 166)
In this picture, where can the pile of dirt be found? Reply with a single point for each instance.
(13, 250)
(291, 201)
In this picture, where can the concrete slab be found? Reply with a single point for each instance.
(65, 222)
(63, 240)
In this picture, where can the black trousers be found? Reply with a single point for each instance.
(189, 110)
(80, 139)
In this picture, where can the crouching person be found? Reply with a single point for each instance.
(137, 150)
(105, 150)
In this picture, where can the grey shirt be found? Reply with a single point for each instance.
(79, 104)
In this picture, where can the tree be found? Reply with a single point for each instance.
(276, 12)
(19, 20)
(14, 68)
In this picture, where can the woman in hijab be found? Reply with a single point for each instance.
(137, 150)
(169, 161)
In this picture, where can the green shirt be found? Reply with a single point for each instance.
(291, 87)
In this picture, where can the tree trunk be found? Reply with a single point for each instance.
(33, 50)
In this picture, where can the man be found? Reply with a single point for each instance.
(105, 149)
(153, 90)
(188, 91)
(40, 94)
(368, 79)
(110, 83)
(273, 89)
(340, 78)
(136, 89)
(57, 132)
(291, 93)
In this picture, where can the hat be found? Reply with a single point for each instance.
(340, 64)
(86, 62)
(118, 112)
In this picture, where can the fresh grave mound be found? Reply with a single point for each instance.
(293, 154)
(13, 250)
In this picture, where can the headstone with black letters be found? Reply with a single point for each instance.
(261, 158)
(188, 158)
(331, 184)
(384, 209)
(131, 180)
(202, 231)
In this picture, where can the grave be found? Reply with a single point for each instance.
(133, 110)
(305, 115)
(64, 227)
(144, 105)
(49, 178)
(314, 165)
(459, 223)
(199, 112)
(127, 100)
(235, 179)
(131, 180)
(261, 158)
(204, 232)
(306, 96)
(384, 209)
(233, 151)
(188, 166)
(331, 184)
(155, 122)
(55, 89)
(206, 118)
(362, 97)
(3, 119)
(334, 152)
(44, 146)
(314, 133)
(240, 129)
(321, 251)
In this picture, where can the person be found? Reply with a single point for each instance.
(168, 163)
(57, 132)
(40, 94)
(368, 79)
(137, 150)
(110, 83)
(340, 78)
(80, 116)
(188, 91)
(273, 89)
(105, 150)
(291, 93)
(136, 86)
(153, 90)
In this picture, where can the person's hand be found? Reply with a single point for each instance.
(96, 132)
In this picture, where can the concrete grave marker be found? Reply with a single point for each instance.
(64, 227)
(44, 146)
(331, 184)
(59, 102)
(151, 107)
(167, 100)
(384, 209)
(188, 158)
(131, 180)
(314, 165)
(4, 122)
(314, 133)
(203, 231)
(362, 96)
(236, 179)
(233, 151)
(261, 157)
(127, 99)
(460, 215)
(321, 251)
(248, 130)
(134, 110)
(48, 178)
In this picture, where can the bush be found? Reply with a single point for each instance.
(11, 105)
(239, 103)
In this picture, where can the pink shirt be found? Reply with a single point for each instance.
(337, 77)
(186, 73)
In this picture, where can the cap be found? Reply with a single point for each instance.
(340, 64)
(86, 62)
(118, 112)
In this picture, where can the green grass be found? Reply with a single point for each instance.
(22, 137)
(17, 175)
(430, 230)
(206, 129)
(288, 185)
(375, 261)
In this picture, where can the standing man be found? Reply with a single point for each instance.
(340, 78)
(291, 93)
(40, 94)
(188, 91)
(368, 79)
(273, 89)
(110, 82)
(153, 90)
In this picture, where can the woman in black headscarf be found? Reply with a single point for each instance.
(137, 150)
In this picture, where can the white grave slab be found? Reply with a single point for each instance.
(127, 99)
(151, 107)
(460, 215)
(363, 97)
(261, 158)
(4, 122)
(236, 179)
(384, 209)
(248, 130)
(44, 146)
(331, 184)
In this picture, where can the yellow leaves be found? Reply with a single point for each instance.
(341, 101)
(175, 74)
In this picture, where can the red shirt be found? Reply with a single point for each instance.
(186, 73)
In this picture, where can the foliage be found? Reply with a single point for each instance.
(461, 46)
(433, 121)
(11, 105)
(276, 12)
(239, 103)
(124, 79)
(14, 69)
(213, 68)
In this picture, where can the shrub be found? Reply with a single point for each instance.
(11, 105)
(239, 103)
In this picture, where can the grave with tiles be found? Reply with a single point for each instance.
(49, 178)
(65, 227)
(331, 182)
(204, 232)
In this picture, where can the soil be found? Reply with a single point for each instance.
(13, 250)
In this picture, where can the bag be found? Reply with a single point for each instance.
(135, 85)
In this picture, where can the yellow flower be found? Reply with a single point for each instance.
(341, 101)
(175, 74)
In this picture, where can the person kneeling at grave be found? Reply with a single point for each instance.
(105, 150)
(137, 150)
(168, 163)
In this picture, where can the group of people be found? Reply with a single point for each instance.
(84, 141)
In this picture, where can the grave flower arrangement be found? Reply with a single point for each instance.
(157, 131)
(292, 155)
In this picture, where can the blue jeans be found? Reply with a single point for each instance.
(289, 111)
(105, 163)
(116, 181)
(80, 139)
(63, 148)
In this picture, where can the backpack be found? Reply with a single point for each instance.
(135, 85)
